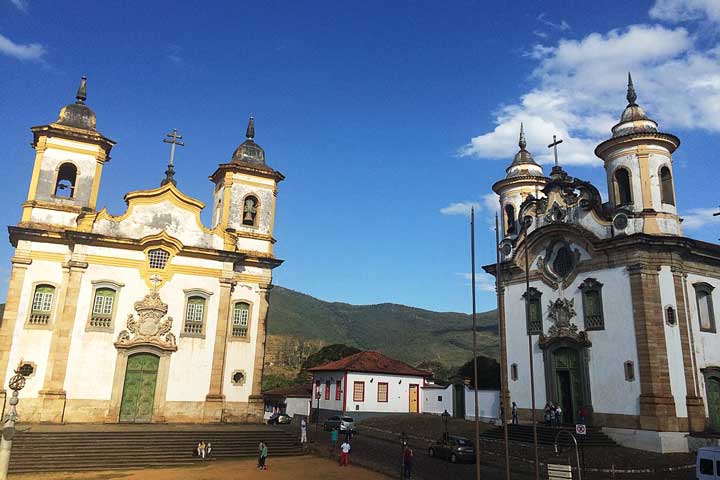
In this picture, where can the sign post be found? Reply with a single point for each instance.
(581, 431)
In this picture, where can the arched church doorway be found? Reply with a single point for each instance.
(568, 386)
(712, 385)
(139, 388)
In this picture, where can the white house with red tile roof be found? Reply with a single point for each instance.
(367, 384)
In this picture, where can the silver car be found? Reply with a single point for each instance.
(344, 424)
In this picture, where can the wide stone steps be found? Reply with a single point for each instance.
(546, 435)
(75, 450)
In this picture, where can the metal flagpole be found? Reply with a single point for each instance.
(475, 373)
(503, 364)
(530, 352)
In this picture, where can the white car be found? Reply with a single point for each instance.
(345, 424)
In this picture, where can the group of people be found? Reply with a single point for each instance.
(262, 456)
(204, 450)
(553, 415)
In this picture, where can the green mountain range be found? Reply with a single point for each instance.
(409, 334)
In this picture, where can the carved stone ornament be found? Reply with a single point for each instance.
(149, 328)
(562, 311)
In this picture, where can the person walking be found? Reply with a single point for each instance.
(344, 454)
(260, 455)
(333, 442)
(263, 456)
(558, 416)
(303, 432)
(407, 462)
(514, 413)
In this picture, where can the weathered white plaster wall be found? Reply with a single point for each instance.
(437, 400)
(672, 341)
(488, 404)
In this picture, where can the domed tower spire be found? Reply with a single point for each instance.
(78, 115)
(249, 151)
(81, 94)
(522, 143)
(250, 132)
(631, 95)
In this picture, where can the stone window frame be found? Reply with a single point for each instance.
(707, 289)
(629, 371)
(587, 286)
(666, 183)
(241, 382)
(616, 187)
(246, 338)
(361, 384)
(191, 293)
(96, 285)
(514, 372)
(534, 296)
(258, 206)
(511, 223)
(53, 306)
(671, 321)
(73, 196)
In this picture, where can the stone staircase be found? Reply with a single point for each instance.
(107, 449)
(546, 435)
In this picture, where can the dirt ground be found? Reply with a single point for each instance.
(305, 467)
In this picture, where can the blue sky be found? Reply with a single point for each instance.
(387, 118)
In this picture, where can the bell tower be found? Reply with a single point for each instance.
(69, 157)
(244, 198)
(638, 165)
(524, 177)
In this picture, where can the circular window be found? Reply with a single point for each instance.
(26, 369)
(238, 377)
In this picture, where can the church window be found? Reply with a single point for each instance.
(41, 305)
(623, 195)
(158, 258)
(514, 372)
(194, 316)
(564, 262)
(510, 224)
(629, 371)
(240, 319)
(592, 304)
(65, 184)
(706, 314)
(670, 316)
(26, 369)
(534, 311)
(250, 211)
(666, 186)
(103, 307)
(359, 392)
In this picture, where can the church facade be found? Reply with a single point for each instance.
(145, 316)
(610, 301)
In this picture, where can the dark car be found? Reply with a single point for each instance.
(456, 449)
(344, 424)
(279, 419)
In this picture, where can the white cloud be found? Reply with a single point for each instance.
(685, 10)
(579, 92)
(31, 51)
(460, 208)
(483, 281)
(21, 5)
(562, 25)
(696, 218)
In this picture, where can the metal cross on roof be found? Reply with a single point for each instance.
(554, 145)
(156, 280)
(174, 140)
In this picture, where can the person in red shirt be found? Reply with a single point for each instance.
(407, 462)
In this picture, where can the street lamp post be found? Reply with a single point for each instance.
(446, 418)
(17, 382)
(317, 411)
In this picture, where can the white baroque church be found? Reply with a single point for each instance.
(620, 304)
(144, 316)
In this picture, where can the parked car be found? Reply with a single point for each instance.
(345, 424)
(708, 463)
(456, 449)
(279, 419)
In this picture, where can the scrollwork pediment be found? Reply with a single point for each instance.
(149, 327)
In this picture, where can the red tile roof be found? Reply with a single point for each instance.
(301, 391)
(370, 362)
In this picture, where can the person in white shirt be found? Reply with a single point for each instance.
(345, 454)
(303, 431)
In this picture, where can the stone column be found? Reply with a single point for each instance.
(256, 404)
(657, 406)
(20, 264)
(504, 390)
(694, 402)
(53, 393)
(215, 399)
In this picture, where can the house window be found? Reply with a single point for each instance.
(623, 195)
(359, 392)
(439, 398)
(194, 316)
(241, 315)
(706, 314)
(382, 392)
(514, 372)
(158, 258)
(327, 390)
(534, 311)
(670, 316)
(103, 307)
(629, 371)
(65, 184)
(41, 305)
(592, 304)
(510, 224)
(250, 211)
(666, 186)
(338, 390)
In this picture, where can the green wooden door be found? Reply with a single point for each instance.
(567, 383)
(139, 389)
(713, 399)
